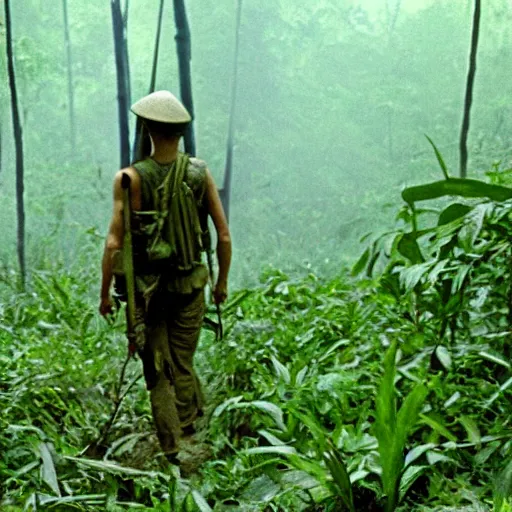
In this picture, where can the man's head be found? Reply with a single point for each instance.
(164, 115)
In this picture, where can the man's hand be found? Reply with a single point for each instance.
(220, 293)
(106, 306)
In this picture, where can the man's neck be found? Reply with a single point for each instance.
(165, 151)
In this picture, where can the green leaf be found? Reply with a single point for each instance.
(201, 502)
(385, 421)
(48, 468)
(408, 247)
(456, 187)
(439, 158)
(453, 212)
(339, 473)
(452, 399)
(261, 490)
(417, 452)
(460, 277)
(281, 370)
(444, 357)
(392, 429)
(472, 430)
(226, 405)
(496, 395)
(411, 276)
(23, 471)
(361, 263)
(276, 450)
(410, 475)
(116, 469)
(301, 375)
(385, 405)
(87, 499)
(272, 409)
(435, 457)
(271, 438)
(124, 444)
(333, 348)
(503, 487)
(436, 425)
(433, 275)
(494, 358)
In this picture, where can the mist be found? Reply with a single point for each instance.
(334, 101)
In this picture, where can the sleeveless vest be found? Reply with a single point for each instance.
(169, 228)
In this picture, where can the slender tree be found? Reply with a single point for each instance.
(1, 126)
(18, 140)
(393, 15)
(71, 98)
(184, 56)
(126, 53)
(142, 144)
(469, 91)
(226, 187)
(122, 88)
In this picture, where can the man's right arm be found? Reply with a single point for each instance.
(113, 243)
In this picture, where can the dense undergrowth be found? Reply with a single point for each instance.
(302, 391)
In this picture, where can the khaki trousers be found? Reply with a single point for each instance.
(173, 325)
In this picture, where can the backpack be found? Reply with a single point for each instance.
(170, 237)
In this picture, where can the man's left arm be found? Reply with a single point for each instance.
(216, 212)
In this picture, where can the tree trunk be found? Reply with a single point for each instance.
(18, 139)
(142, 144)
(1, 126)
(226, 187)
(126, 54)
(393, 16)
(184, 57)
(122, 89)
(469, 91)
(71, 99)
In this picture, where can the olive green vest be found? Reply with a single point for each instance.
(169, 228)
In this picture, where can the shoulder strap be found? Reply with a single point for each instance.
(152, 177)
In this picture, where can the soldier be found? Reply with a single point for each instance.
(172, 196)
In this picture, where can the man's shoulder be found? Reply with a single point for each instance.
(129, 171)
(197, 164)
(196, 173)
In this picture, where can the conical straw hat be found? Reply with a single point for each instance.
(161, 106)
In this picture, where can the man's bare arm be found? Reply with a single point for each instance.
(218, 216)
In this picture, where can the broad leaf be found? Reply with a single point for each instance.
(201, 502)
(453, 212)
(361, 263)
(408, 247)
(456, 187)
(411, 474)
(48, 472)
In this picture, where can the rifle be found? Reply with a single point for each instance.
(207, 244)
(134, 327)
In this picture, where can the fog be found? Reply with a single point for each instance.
(334, 101)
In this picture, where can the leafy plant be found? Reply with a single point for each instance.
(392, 428)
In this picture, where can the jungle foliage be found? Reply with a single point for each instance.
(385, 386)
(384, 393)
